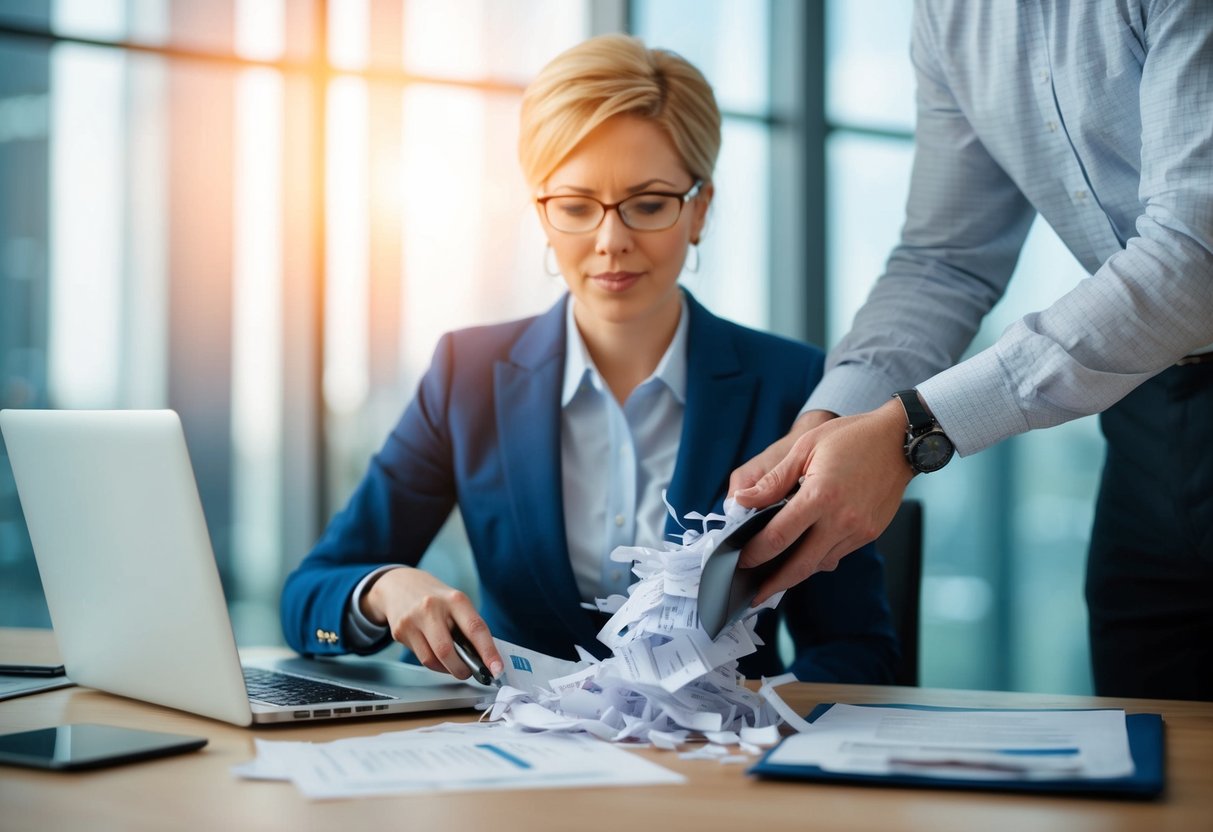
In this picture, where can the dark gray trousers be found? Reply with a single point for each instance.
(1150, 568)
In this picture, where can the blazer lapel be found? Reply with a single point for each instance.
(527, 394)
(720, 396)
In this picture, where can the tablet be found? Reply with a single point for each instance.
(71, 747)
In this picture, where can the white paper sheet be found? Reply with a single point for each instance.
(530, 670)
(13, 686)
(453, 757)
(1021, 744)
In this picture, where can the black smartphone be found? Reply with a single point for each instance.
(31, 670)
(72, 747)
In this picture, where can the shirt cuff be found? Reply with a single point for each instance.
(975, 404)
(360, 631)
(849, 389)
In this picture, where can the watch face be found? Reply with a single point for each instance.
(931, 451)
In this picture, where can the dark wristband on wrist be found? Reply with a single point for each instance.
(927, 447)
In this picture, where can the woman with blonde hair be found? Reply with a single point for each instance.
(557, 435)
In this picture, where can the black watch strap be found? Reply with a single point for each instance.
(917, 416)
(927, 447)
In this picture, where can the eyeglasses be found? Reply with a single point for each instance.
(645, 211)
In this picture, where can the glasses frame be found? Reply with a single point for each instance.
(607, 207)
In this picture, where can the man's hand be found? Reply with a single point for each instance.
(854, 474)
(751, 472)
(419, 610)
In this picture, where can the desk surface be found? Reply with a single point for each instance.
(197, 791)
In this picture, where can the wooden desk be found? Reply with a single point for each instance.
(196, 791)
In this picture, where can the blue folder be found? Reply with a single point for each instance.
(1146, 746)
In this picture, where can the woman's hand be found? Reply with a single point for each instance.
(420, 610)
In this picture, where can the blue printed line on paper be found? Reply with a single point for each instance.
(505, 755)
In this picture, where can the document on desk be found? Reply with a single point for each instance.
(13, 686)
(451, 757)
(962, 743)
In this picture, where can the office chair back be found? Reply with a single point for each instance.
(901, 547)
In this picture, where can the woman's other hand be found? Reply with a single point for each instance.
(420, 610)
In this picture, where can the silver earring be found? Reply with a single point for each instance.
(692, 264)
(549, 264)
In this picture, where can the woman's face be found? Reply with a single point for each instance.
(617, 274)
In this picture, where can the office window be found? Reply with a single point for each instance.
(260, 213)
(259, 29)
(730, 43)
(1006, 530)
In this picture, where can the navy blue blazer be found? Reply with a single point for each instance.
(483, 433)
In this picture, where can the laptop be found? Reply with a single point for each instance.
(134, 593)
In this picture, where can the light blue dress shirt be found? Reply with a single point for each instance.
(616, 460)
(1096, 114)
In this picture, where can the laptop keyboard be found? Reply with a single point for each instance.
(284, 689)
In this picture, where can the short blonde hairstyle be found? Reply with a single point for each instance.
(613, 75)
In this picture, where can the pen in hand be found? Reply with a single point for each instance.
(469, 656)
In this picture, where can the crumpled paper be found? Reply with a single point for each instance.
(666, 683)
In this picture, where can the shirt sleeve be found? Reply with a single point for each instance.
(1144, 308)
(965, 224)
(360, 632)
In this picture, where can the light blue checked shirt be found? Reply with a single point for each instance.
(1098, 114)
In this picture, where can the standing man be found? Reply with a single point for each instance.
(1099, 117)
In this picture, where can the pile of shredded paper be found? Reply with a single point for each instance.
(667, 682)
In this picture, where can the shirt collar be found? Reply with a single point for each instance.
(579, 366)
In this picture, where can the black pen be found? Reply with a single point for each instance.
(466, 652)
(31, 670)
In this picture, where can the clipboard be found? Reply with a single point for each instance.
(1146, 746)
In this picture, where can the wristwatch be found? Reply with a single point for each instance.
(927, 447)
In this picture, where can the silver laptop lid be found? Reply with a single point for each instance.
(125, 558)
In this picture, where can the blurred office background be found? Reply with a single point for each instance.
(263, 213)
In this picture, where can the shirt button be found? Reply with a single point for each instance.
(615, 576)
(619, 519)
(1052, 125)
(1044, 76)
(1080, 195)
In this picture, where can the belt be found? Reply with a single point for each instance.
(1198, 358)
